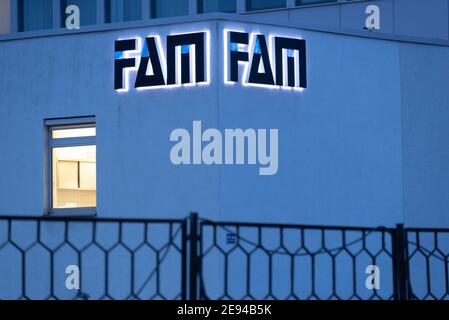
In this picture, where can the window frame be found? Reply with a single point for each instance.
(67, 123)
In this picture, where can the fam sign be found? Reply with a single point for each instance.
(251, 59)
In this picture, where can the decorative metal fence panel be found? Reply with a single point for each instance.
(116, 259)
(428, 264)
(192, 258)
(272, 261)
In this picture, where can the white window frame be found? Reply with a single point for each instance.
(67, 123)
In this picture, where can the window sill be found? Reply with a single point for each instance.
(73, 212)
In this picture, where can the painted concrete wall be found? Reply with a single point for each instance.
(327, 172)
(426, 19)
(425, 99)
(339, 140)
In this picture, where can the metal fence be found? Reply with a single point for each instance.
(272, 261)
(427, 264)
(116, 258)
(194, 258)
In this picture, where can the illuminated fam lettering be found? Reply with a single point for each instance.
(282, 63)
(278, 62)
(186, 61)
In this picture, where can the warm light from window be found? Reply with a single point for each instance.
(73, 133)
(74, 176)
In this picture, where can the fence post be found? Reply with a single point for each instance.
(193, 257)
(184, 275)
(400, 263)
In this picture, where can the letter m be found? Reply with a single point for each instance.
(186, 58)
(291, 68)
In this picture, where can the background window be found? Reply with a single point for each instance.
(73, 167)
(169, 8)
(123, 10)
(265, 4)
(35, 15)
(306, 2)
(5, 14)
(205, 6)
(88, 11)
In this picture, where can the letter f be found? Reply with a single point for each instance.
(122, 63)
(235, 39)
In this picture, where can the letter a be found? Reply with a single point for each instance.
(372, 22)
(73, 20)
(73, 280)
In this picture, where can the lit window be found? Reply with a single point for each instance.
(73, 167)
(73, 133)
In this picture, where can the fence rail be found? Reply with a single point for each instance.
(193, 258)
